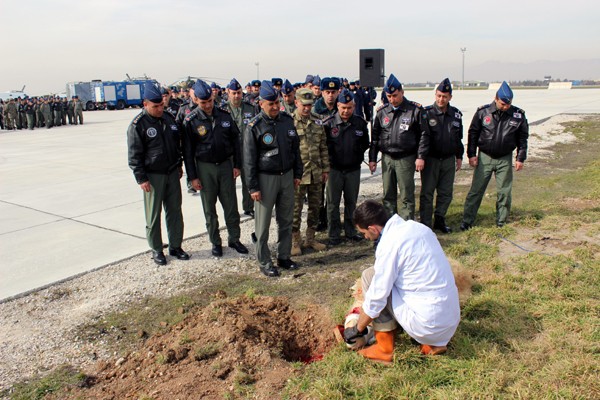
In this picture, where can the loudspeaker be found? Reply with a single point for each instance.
(372, 63)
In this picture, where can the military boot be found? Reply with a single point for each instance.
(311, 242)
(296, 239)
(383, 350)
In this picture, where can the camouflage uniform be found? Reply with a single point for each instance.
(10, 114)
(315, 158)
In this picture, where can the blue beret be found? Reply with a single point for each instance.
(256, 82)
(213, 85)
(505, 93)
(445, 86)
(277, 81)
(309, 78)
(297, 85)
(268, 92)
(202, 90)
(345, 96)
(316, 80)
(234, 85)
(287, 87)
(152, 92)
(392, 85)
(330, 84)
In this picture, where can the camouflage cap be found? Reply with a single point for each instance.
(305, 96)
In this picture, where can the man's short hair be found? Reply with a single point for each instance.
(370, 213)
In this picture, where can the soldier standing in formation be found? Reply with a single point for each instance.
(347, 141)
(273, 169)
(77, 111)
(315, 160)
(212, 157)
(446, 150)
(288, 94)
(398, 134)
(154, 153)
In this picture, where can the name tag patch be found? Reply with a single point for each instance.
(225, 124)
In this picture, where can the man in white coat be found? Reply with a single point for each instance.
(411, 284)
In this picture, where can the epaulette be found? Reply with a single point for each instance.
(483, 106)
(381, 107)
(254, 120)
(137, 118)
(456, 110)
(223, 107)
(520, 110)
(328, 118)
(429, 107)
(415, 104)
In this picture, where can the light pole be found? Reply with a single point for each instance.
(463, 49)
(257, 74)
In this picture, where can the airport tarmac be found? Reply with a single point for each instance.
(69, 203)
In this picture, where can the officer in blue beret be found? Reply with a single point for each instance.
(277, 83)
(154, 154)
(273, 169)
(216, 93)
(316, 87)
(308, 82)
(288, 94)
(359, 99)
(253, 96)
(444, 123)
(242, 113)
(212, 156)
(347, 140)
(497, 129)
(398, 134)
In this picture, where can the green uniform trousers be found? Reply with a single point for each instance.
(401, 174)
(502, 168)
(438, 176)
(247, 202)
(166, 192)
(276, 191)
(347, 183)
(78, 117)
(218, 183)
(30, 121)
(313, 191)
(48, 120)
(57, 118)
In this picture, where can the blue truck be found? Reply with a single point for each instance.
(98, 94)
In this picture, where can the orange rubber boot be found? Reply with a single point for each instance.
(429, 350)
(382, 350)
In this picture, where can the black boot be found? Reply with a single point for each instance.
(440, 225)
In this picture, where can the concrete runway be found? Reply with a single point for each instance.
(69, 203)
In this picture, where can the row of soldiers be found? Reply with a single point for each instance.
(288, 157)
(37, 112)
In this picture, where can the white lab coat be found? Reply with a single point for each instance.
(411, 266)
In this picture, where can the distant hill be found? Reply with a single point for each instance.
(570, 69)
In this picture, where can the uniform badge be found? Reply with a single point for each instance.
(331, 85)
(513, 123)
(291, 132)
(225, 124)
(517, 115)
(335, 132)
(359, 133)
(248, 115)
(432, 122)
(487, 120)
(386, 121)
(173, 127)
(282, 108)
(202, 130)
(187, 111)
(457, 116)
(267, 138)
(319, 122)
(151, 132)
(404, 127)
(406, 121)
(245, 121)
(456, 124)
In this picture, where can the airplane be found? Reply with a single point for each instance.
(13, 94)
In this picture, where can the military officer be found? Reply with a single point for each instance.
(57, 109)
(242, 112)
(212, 155)
(273, 169)
(277, 83)
(21, 119)
(315, 160)
(30, 114)
(46, 110)
(444, 123)
(77, 111)
(153, 140)
(497, 129)
(253, 96)
(64, 109)
(315, 86)
(347, 141)
(39, 116)
(289, 98)
(398, 134)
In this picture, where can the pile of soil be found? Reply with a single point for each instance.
(220, 350)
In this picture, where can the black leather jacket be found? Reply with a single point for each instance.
(498, 133)
(153, 145)
(399, 133)
(271, 146)
(210, 141)
(346, 142)
(445, 132)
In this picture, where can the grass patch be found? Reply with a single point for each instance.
(39, 387)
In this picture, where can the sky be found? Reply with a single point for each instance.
(45, 44)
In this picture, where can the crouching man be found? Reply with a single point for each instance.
(411, 285)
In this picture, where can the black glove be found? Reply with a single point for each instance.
(352, 333)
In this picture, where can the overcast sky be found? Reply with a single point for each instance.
(45, 44)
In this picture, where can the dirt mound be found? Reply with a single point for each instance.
(233, 346)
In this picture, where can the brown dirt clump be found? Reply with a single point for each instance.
(232, 347)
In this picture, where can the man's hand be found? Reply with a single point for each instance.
(372, 166)
(145, 186)
(196, 184)
(458, 164)
(297, 183)
(352, 333)
(419, 164)
(473, 161)
(256, 196)
(324, 177)
(518, 166)
(236, 173)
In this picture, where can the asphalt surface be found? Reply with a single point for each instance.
(69, 203)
